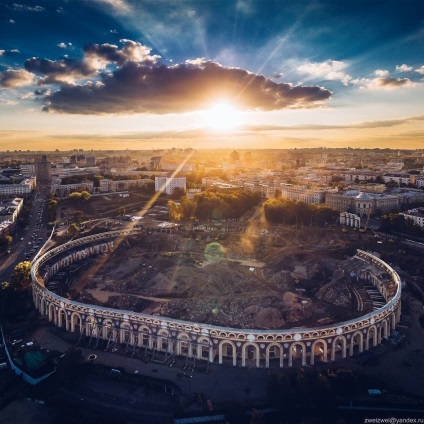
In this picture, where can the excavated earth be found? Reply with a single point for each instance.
(242, 281)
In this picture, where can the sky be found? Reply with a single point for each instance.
(142, 74)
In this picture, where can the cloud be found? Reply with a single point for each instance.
(381, 73)
(9, 52)
(25, 8)
(420, 70)
(28, 95)
(13, 78)
(387, 83)
(65, 70)
(403, 68)
(331, 70)
(96, 58)
(156, 88)
(7, 102)
(118, 6)
(11, 21)
(62, 45)
(132, 51)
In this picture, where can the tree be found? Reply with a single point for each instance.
(174, 211)
(78, 217)
(73, 230)
(21, 274)
(85, 196)
(177, 193)
(5, 241)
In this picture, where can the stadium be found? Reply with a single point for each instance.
(205, 339)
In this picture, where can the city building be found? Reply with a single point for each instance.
(22, 189)
(168, 185)
(415, 215)
(304, 194)
(43, 170)
(63, 190)
(155, 163)
(107, 185)
(360, 203)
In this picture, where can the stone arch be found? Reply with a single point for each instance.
(144, 336)
(392, 321)
(250, 351)
(90, 326)
(293, 352)
(357, 339)
(335, 346)
(62, 319)
(76, 322)
(317, 351)
(204, 348)
(52, 313)
(384, 330)
(43, 306)
(271, 353)
(183, 344)
(227, 348)
(162, 341)
(372, 332)
(107, 328)
(124, 332)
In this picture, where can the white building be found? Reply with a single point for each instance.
(415, 215)
(22, 189)
(168, 185)
(304, 194)
(28, 170)
(107, 185)
(64, 190)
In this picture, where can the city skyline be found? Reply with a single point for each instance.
(117, 74)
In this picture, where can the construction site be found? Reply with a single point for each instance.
(255, 279)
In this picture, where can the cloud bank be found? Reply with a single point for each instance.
(125, 80)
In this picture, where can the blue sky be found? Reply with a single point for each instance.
(139, 74)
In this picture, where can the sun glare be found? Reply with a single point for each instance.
(222, 117)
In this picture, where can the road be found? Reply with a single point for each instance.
(26, 240)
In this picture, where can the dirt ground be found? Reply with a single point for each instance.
(258, 279)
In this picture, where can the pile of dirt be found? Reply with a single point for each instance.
(174, 276)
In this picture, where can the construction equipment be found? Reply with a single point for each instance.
(362, 230)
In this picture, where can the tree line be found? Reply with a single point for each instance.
(285, 211)
(212, 204)
(396, 223)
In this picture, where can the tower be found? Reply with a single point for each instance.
(43, 170)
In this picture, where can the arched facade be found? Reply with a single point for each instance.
(237, 347)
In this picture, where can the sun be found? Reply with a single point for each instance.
(222, 117)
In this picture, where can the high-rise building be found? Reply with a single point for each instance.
(234, 158)
(43, 170)
(168, 185)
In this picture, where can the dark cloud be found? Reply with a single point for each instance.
(141, 88)
(96, 57)
(59, 71)
(14, 78)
